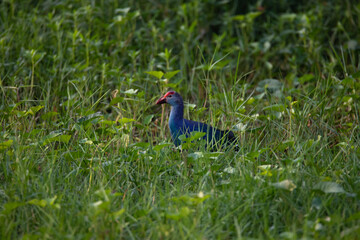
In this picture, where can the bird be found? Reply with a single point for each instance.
(214, 137)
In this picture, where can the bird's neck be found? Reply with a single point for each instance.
(176, 114)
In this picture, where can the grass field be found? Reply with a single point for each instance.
(86, 154)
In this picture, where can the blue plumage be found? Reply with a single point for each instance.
(179, 126)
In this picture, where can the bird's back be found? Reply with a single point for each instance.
(214, 136)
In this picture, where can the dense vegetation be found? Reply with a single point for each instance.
(85, 153)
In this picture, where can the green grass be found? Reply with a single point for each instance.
(86, 154)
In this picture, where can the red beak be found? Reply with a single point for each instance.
(161, 100)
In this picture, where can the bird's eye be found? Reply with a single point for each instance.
(169, 96)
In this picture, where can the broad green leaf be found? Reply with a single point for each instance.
(255, 154)
(286, 144)
(267, 173)
(131, 91)
(250, 101)
(161, 146)
(308, 143)
(6, 144)
(271, 85)
(191, 106)
(220, 64)
(239, 17)
(184, 212)
(230, 170)
(285, 184)
(123, 11)
(347, 100)
(103, 193)
(45, 202)
(348, 82)
(38, 202)
(266, 170)
(196, 155)
(264, 167)
(133, 15)
(288, 235)
(157, 74)
(118, 213)
(56, 138)
(306, 78)
(147, 119)
(125, 120)
(248, 17)
(329, 187)
(276, 107)
(212, 155)
(205, 67)
(260, 96)
(116, 100)
(118, 19)
(183, 137)
(169, 75)
(100, 207)
(33, 110)
(51, 202)
(86, 141)
(63, 138)
(192, 200)
(223, 182)
(289, 17)
(143, 145)
(51, 135)
(99, 204)
(253, 15)
(189, 141)
(196, 135)
(108, 122)
(10, 206)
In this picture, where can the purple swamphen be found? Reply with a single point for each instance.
(179, 126)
